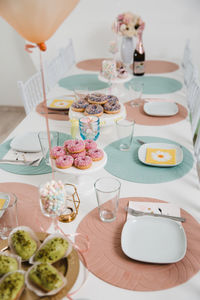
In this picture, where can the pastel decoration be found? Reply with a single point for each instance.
(161, 156)
(36, 21)
(28, 207)
(106, 260)
(156, 84)
(28, 170)
(109, 69)
(135, 171)
(83, 82)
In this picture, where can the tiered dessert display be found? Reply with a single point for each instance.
(106, 107)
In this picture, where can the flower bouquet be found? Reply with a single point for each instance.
(127, 24)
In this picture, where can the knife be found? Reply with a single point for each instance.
(136, 213)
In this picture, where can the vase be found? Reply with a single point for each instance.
(127, 49)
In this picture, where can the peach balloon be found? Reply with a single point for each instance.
(36, 20)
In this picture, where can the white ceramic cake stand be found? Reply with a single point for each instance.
(80, 178)
(117, 87)
(105, 119)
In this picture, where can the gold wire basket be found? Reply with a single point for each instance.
(74, 202)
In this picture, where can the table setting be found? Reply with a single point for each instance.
(131, 228)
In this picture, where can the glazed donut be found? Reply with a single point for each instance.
(80, 154)
(94, 110)
(96, 154)
(66, 143)
(76, 146)
(79, 105)
(83, 162)
(96, 98)
(111, 99)
(64, 162)
(57, 151)
(90, 144)
(112, 108)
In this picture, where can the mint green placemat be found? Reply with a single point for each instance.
(156, 84)
(83, 82)
(28, 170)
(127, 166)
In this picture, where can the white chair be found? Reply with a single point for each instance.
(31, 90)
(60, 65)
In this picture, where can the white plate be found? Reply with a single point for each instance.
(60, 102)
(27, 142)
(105, 119)
(115, 80)
(143, 148)
(96, 166)
(161, 109)
(153, 240)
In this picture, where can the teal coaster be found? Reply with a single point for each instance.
(156, 84)
(127, 166)
(28, 170)
(83, 82)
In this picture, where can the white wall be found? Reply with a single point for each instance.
(168, 24)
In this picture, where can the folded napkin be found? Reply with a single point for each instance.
(61, 103)
(22, 157)
(161, 156)
(155, 207)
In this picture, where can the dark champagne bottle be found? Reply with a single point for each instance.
(139, 55)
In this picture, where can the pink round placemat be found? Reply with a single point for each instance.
(91, 64)
(151, 66)
(106, 260)
(58, 116)
(140, 117)
(159, 66)
(28, 207)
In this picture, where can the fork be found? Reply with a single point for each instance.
(54, 113)
(26, 163)
(137, 213)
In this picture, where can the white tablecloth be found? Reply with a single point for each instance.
(184, 192)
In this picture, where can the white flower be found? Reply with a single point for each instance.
(161, 156)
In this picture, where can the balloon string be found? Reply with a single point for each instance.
(46, 115)
(80, 253)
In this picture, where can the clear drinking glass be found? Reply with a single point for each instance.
(107, 192)
(89, 128)
(44, 143)
(125, 130)
(8, 214)
(136, 89)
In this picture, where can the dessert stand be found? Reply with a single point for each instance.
(117, 87)
(105, 119)
(80, 178)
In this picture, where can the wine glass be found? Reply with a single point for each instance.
(53, 201)
(89, 127)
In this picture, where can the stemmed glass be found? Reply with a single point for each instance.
(53, 201)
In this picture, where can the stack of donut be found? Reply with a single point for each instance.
(96, 104)
(77, 153)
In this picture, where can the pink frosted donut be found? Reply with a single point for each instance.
(76, 146)
(83, 162)
(57, 151)
(64, 162)
(66, 143)
(80, 154)
(90, 144)
(96, 154)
